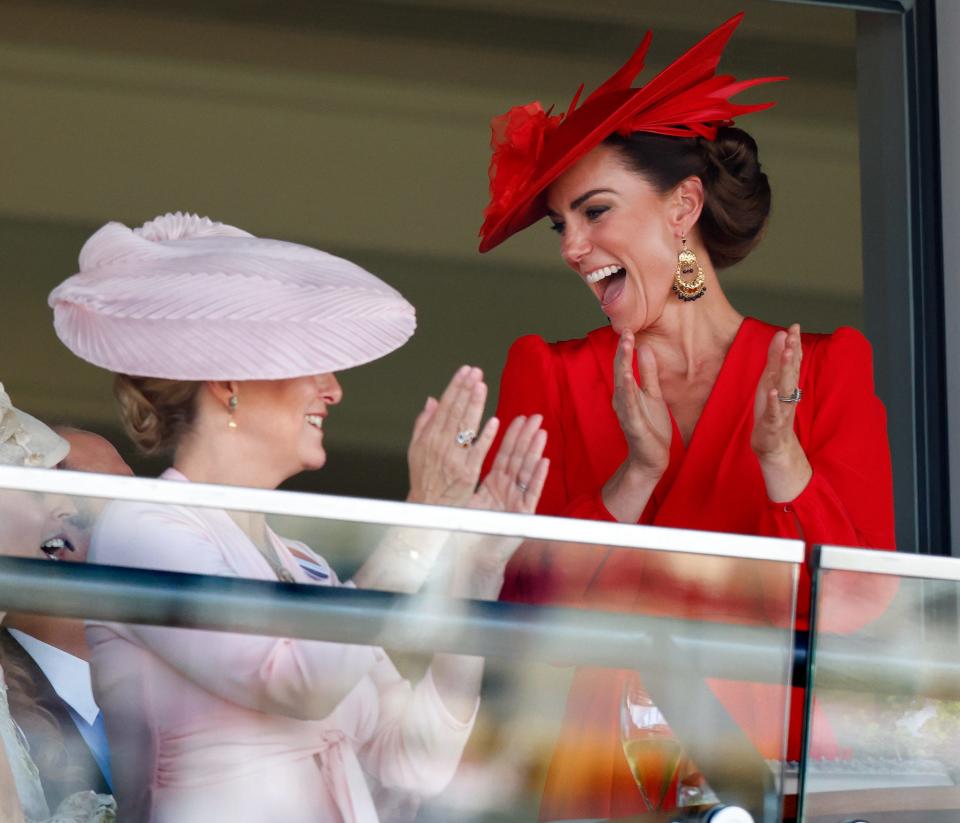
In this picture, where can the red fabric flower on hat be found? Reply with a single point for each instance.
(531, 148)
(517, 140)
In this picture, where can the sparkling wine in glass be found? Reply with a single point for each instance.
(648, 744)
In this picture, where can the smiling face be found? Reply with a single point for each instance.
(283, 420)
(619, 234)
(35, 525)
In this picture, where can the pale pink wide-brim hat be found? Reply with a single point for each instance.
(186, 298)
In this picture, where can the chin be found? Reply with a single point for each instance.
(315, 462)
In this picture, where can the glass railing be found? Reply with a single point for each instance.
(884, 723)
(628, 673)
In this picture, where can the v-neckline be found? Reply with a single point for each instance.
(710, 402)
(722, 375)
(280, 548)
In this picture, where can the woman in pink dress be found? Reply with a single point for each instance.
(235, 341)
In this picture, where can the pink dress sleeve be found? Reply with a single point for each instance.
(417, 744)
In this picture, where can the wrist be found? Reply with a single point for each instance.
(786, 473)
(636, 473)
(626, 493)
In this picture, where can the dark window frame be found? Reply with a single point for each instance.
(904, 306)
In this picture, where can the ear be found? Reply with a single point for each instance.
(686, 204)
(221, 390)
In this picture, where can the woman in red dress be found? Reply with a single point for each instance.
(681, 412)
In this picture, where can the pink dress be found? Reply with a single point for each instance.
(207, 726)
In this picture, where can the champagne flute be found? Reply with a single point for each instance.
(649, 744)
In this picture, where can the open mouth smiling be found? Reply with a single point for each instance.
(53, 547)
(609, 282)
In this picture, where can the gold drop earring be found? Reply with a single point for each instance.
(232, 404)
(688, 290)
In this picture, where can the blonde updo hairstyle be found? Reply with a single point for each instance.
(156, 413)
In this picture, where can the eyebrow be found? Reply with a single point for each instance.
(575, 204)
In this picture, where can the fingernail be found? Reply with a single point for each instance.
(463, 371)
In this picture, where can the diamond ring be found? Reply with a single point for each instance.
(465, 438)
(793, 397)
(522, 486)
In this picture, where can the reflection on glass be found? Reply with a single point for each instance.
(887, 706)
(509, 754)
(649, 744)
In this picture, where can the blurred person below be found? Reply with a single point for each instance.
(53, 743)
(89, 452)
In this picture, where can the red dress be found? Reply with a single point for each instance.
(713, 483)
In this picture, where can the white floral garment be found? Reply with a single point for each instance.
(82, 807)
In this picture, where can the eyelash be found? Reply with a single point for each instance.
(592, 213)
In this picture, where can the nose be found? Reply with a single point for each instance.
(575, 245)
(329, 389)
(61, 507)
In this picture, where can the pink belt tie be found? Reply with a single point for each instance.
(344, 778)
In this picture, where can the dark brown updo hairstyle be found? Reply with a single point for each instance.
(156, 412)
(736, 191)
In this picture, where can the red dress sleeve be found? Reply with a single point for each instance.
(849, 499)
(532, 383)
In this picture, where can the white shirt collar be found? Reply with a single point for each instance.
(69, 675)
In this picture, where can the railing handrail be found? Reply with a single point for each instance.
(898, 564)
(394, 513)
(413, 623)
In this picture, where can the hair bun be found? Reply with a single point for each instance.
(737, 196)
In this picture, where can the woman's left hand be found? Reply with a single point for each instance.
(786, 470)
(444, 471)
(519, 470)
(513, 484)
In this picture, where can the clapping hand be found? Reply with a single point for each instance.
(446, 453)
(513, 484)
(641, 410)
(519, 469)
(785, 467)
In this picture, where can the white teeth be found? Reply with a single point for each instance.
(315, 420)
(599, 274)
(55, 543)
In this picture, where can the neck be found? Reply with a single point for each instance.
(201, 466)
(688, 336)
(64, 633)
(216, 454)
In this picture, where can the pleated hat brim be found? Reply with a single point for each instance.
(209, 302)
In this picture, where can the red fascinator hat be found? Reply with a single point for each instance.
(532, 147)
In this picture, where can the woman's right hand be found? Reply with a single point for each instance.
(642, 411)
(645, 421)
(442, 472)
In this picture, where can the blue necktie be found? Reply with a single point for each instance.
(95, 736)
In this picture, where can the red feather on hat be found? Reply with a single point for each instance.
(531, 148)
